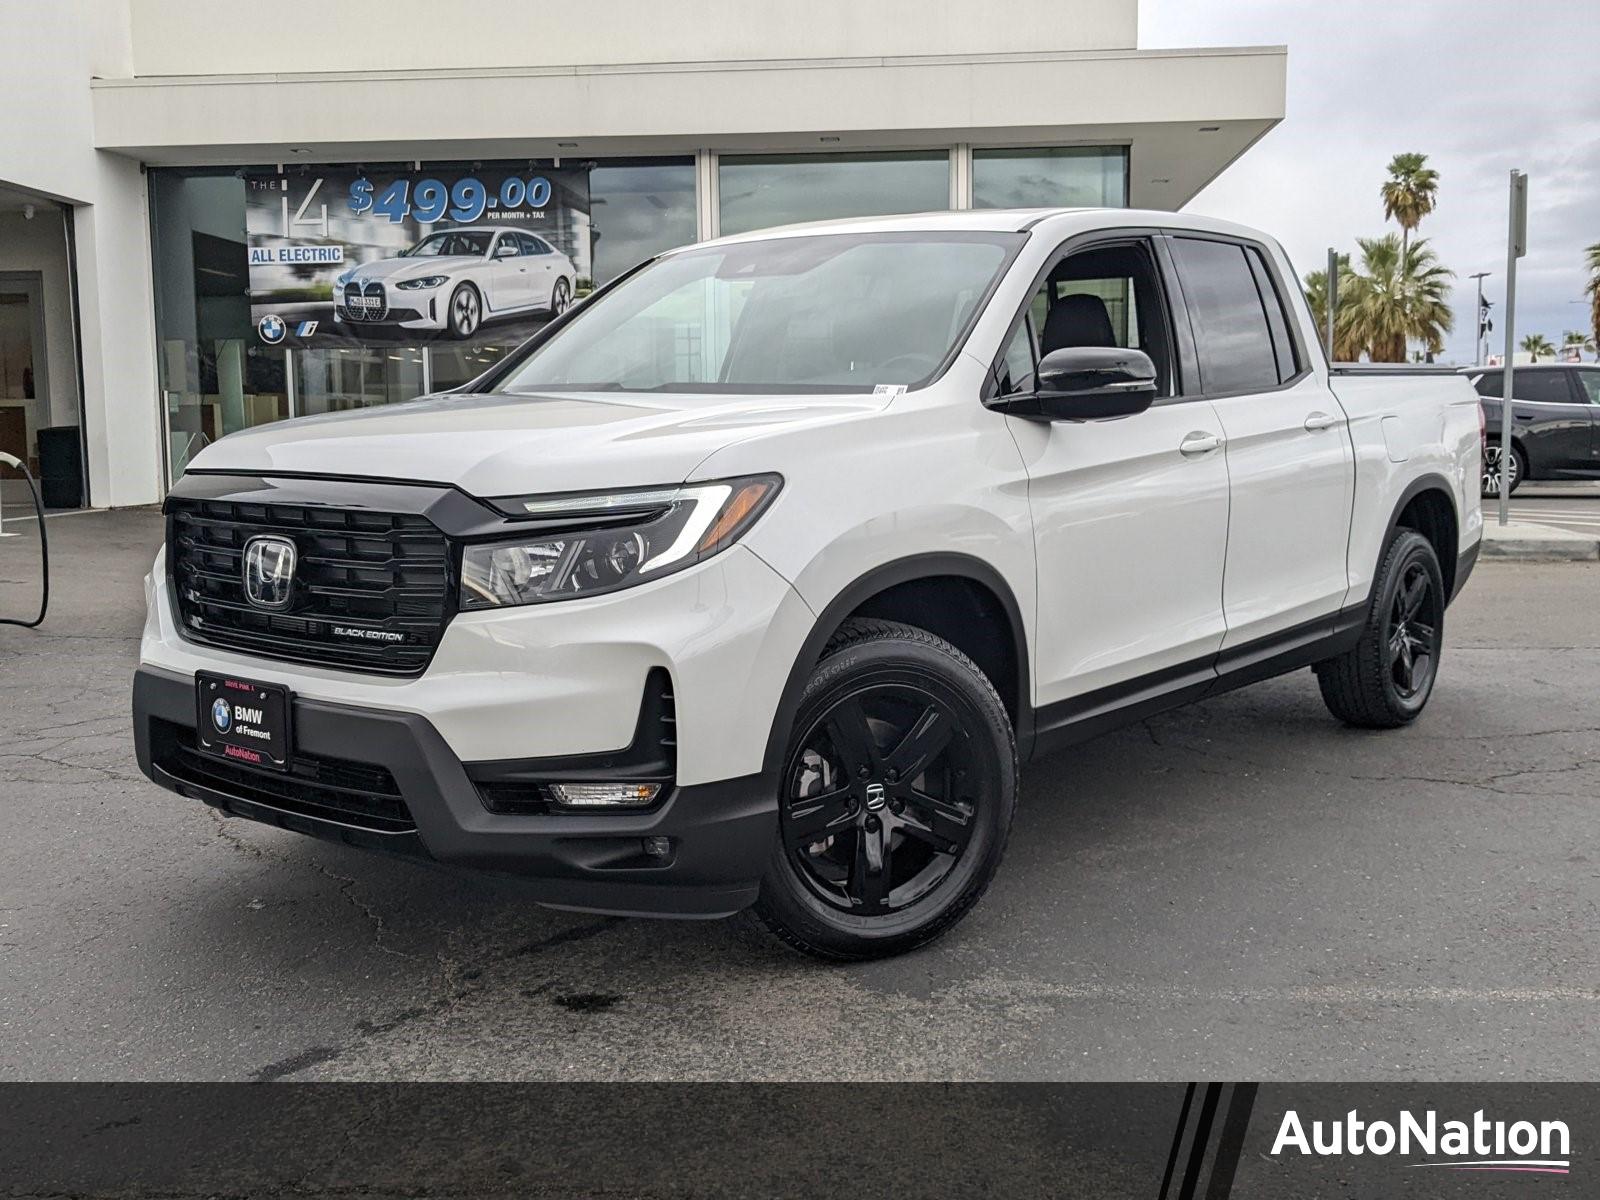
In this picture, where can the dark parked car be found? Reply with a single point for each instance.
(1555, 422)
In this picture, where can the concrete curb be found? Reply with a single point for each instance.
(1523, 541)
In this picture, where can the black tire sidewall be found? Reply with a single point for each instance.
(835, 933)
(1408, 547)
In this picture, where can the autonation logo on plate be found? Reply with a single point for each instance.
(1480, 1144)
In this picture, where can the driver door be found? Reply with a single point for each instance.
(508, 273)
(1130, 515)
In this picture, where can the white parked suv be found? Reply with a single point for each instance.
(455, 279)
(752, 580)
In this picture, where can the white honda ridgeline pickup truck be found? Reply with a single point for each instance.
(752, 580)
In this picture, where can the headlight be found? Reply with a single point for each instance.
(427, 281)
(605, 542)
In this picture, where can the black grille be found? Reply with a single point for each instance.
(353, 793)
(369, 302)
(371, 593)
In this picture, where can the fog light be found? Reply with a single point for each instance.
(657, 847)
(604, 795)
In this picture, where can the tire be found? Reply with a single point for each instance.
(1385, 681)
(869, 861)
(560, 297)
(465, 312)
(1491, 468)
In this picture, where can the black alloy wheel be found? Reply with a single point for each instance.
(1385, 680)
(878, 809)
(1413, 634)
(898, 791)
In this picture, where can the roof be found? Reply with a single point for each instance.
(1001, 220)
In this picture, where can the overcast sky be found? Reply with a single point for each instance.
(1479, 86)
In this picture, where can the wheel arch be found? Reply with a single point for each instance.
(909, 590)
(1428, 505)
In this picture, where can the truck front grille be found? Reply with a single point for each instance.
(371, 592)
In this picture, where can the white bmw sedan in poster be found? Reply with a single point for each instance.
(456, 279)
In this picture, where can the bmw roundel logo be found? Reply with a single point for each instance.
(272, 329)
(221, 715)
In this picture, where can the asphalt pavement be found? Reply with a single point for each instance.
(1242, 888)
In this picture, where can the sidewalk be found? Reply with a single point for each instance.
(1527, 541)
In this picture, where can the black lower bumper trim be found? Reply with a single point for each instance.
(720, 833)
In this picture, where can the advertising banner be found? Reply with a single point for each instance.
(483, 254)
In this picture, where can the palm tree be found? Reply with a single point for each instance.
(1578, 338)
(1409, 193)
(1537, 344)
(1591, 260)
(1396, 297)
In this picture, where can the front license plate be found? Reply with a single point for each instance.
(241, 720)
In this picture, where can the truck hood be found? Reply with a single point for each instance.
(507, 445)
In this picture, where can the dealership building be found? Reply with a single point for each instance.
(173, 173)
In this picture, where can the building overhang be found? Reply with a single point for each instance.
(1184, 114)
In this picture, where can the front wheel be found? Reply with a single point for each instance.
(898, 792)
(466, 311)
(1517, 464)
(1385, 681)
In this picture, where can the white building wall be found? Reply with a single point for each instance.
(47, 145)
(224, 37)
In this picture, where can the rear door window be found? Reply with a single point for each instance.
(1231, 326)
(1591, 385)
(1542, 387)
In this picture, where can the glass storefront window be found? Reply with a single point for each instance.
(638, 208)
(1050, 177)
(761, 190)
(215, 377)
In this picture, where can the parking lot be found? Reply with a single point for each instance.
(1241, 888)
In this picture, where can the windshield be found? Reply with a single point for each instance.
(471, 243)
(832, 313)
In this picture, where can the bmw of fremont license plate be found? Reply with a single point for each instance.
(241, 720)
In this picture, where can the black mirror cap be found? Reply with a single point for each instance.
(1086, 383)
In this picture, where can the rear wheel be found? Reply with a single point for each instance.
(560, 297)
(1386, 680)
(898, 792)
(1517, 464)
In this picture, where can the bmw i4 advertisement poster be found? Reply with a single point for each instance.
(474, 255)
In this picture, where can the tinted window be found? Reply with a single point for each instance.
(1591, 385)
(1489, 383)
(531, 244)
(1235, 341)
(1277, 318)
(1542, 387)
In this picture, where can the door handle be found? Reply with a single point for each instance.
(1319, 421)
(1197, 444)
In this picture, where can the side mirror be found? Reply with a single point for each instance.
(505, 250)
(1087, 383)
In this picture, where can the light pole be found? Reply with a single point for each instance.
(1477, 342)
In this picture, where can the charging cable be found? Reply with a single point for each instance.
(11, 460)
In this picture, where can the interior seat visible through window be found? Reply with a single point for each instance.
(1105, 296)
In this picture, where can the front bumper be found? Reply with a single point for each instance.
(721, 833)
